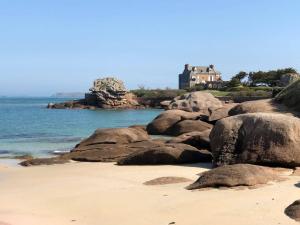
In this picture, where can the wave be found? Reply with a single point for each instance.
(51, 140)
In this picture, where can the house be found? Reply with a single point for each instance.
(197, 75)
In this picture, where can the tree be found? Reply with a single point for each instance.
(234, 82)
(241, 75)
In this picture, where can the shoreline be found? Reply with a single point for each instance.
(45, 195)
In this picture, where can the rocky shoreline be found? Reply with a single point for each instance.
(243, 142)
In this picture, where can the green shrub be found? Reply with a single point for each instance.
(262, 88)
(251, 93)
(158, 93)
(240, 88)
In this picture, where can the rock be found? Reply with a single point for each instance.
(165, 104)
(196, 102)
(131, 99)
(187, 126)
(196, 139)
(257, 138)
(235, 175)
(265, 105)
(290, 96)
(110, 152)
(167, 180)
(113, 136)
(217, 114)
(163, 122)
(23, 157)
(142, 127)
(44, 161)
(106, 93)
(110, 92)
(167, 154)
(293, 210)
(74, 104)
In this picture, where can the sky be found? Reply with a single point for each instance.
(49, 46)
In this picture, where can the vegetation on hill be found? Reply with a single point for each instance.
(270, 78)
(242, 84)
(164, 94)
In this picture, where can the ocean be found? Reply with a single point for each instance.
(28, 127)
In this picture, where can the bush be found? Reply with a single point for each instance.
(195, 88)
(166, 94)
(262, 88)
(240, 88)
(251, 93)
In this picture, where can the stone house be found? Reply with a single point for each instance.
(197, 75)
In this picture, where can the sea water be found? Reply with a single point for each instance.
(28, 127)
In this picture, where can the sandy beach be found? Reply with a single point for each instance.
(103, 193)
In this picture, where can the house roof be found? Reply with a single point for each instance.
(202, 69)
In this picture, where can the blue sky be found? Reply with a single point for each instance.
(63, 45)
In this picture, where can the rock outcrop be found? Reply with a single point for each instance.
(110, 92)
(290, 96)
(106, 93)
(167, 154)
(75, 104)
(293, 210)
(235, 175)
(257, 138)
(196, 102)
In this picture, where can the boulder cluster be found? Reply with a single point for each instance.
(243, 142)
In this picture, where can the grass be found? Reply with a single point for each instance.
(217, 93)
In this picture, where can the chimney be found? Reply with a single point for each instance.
(186, 66)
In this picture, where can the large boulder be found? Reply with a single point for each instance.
(235, 175)
(290, 96)
(114, 136)
(293, 210)
(196, 139)
(257, 138)
(110, 152)
(163, 122)
(265, 105)
(196, 102)
(167, 154)
(187, 126)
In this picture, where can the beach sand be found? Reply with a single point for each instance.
(106, 194)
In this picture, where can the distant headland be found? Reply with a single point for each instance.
(68, 95)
